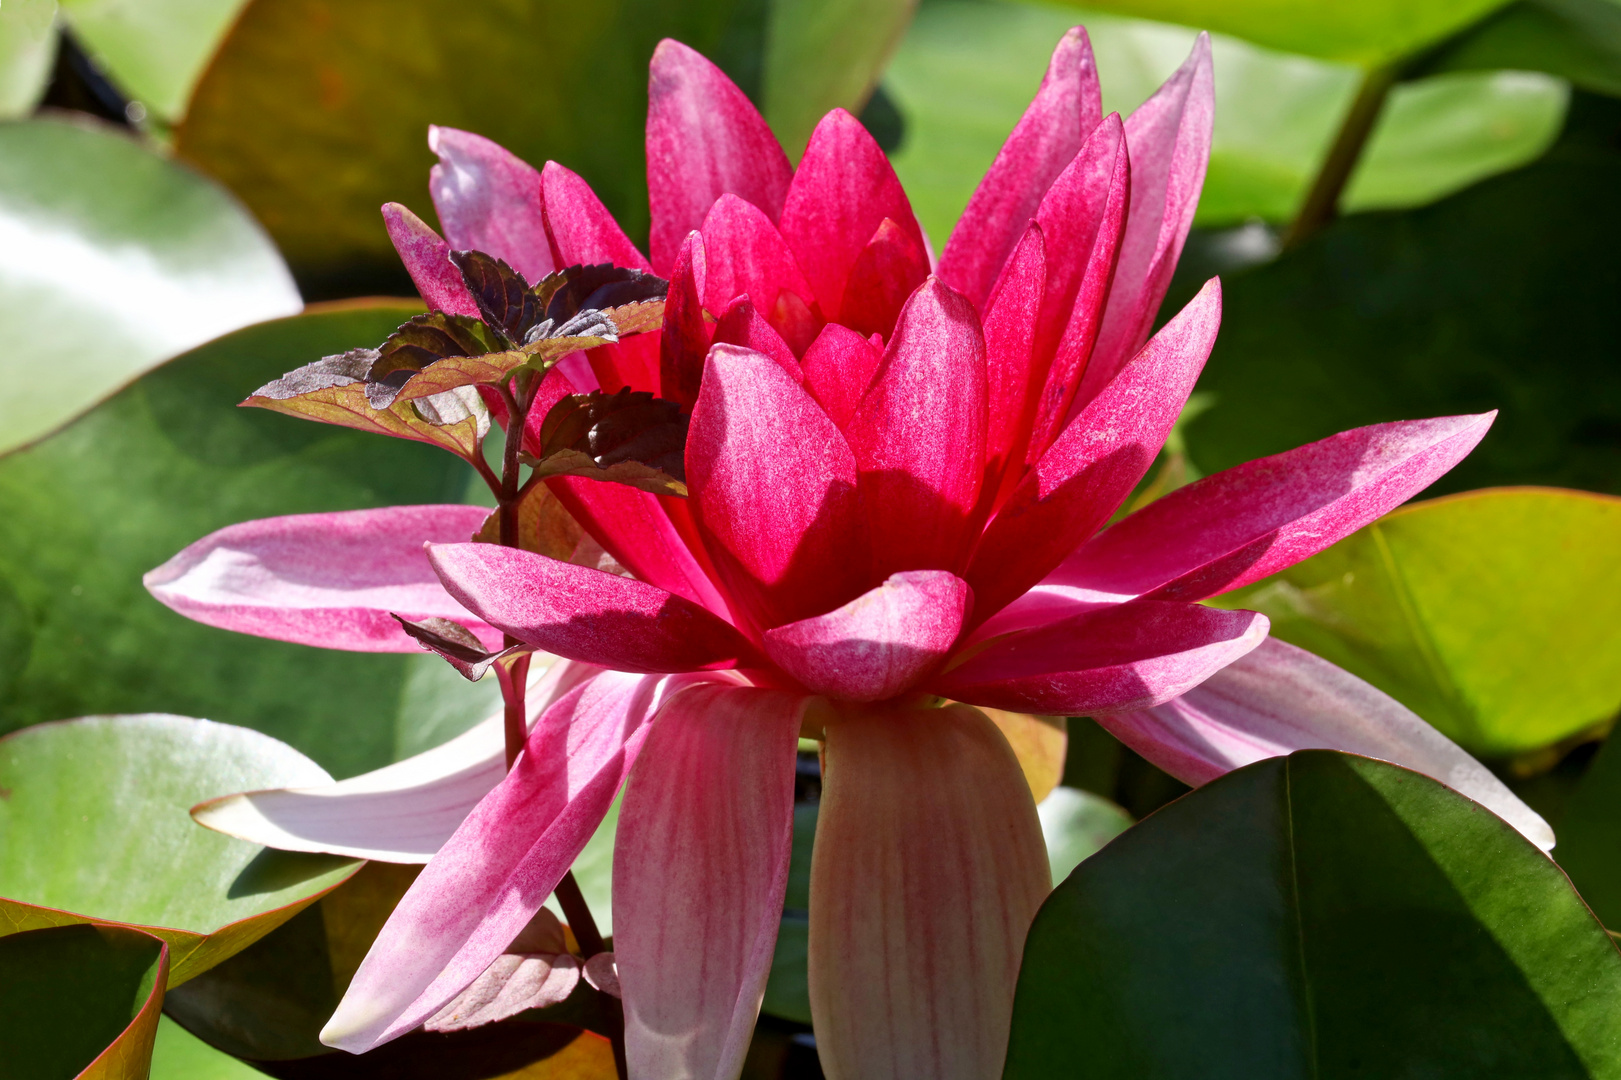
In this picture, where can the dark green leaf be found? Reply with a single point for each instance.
(629, 437)
(1579, 40)
(1319, 916)
(80, 1002)
(85, 513)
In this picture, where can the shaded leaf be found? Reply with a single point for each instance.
(180, 1055)
(457, 645)
(544, 526)
(1283, 912)
(629, 437)
(1579, 40)
(787, 991)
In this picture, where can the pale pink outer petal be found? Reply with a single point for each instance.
(704, 139)
(1095, 463)
(489, 201)
(1280, 699)
(928, 868)
(879, 644)
(700, 870)
(427, 260)
(1169, 140)
(1237, 526)
(1065, 110)
(494, 873)
(838, 367)
(919, 435)
(579, 228)
(1118, 656)
(746, 254)
(586, 614)
(401, 813)
(332, 580)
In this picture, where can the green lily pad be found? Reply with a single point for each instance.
(27, 52)
(1323, 916)
(180, 1055)
(86, 512)
(154, 50)
(1590, 835)
(95, 827)
(80, 1002)
(112, 259)
(1076, 825)
(1579, 40)
(1493, 615)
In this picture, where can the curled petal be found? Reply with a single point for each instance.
(489, 201)
(1280, 699)
(333, 580)
(427, 260)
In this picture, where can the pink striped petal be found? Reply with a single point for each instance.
(402, 813)
(1280, 699)
(774, 491)
(1094, 465)
(1049, 135)
(747, 255)
(704, 139)
(843, 191)
(887, 271)
(742, 326)
(1169, 140)
(494, 873)
(839, 366)
(489, 201)
(579, 227)
(700, 870)
(1012, 386)
(1119, 656)
(919, 435)
(427, 260)
(332, 580)
(880, 644)
(928, 869)
(684, 339)
(585, 614)
(1238, 526)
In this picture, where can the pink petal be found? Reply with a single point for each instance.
(332, 580)
(880, 644)
(579, 227)
(427, 260)
(928, 869)
(700, 870)
(838, 367)
(494, 873)
(843, 191)
(1238, 526)
(633, 362)
(1011, 374)
(1280, 699)
(489, 201)
(1119, 656)
(1094, 465)
(747, 255)
(586, 614)
(401, 813)
(919, 435)
(1045, 140)
(684, 340)
(774, 490)
(888, 270)
(704, 139)
(1169, 139)
(742, 326)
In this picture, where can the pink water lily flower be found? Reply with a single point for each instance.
(900, 474)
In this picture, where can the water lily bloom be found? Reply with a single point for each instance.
(901, 478)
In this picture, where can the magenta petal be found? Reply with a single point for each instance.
(704, 139)
(1094, 465)
(919, 435)
(742, 326)
(1237, 526)
(774, 491)
(1045, 140)
(427, 260)
(1119, 656)
(579, 228)
(684, 340)
(700, 871)
(839, 366)
(493, 874)
(1011, 375)
(746, 255)
(843, 191)
(879, 644)
(489, 201)
(1169, 140)
(333, 580)
(1280, 699)
(888, 270)
(586, 614)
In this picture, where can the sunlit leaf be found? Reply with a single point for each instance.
(1579, 40)
(544, 525)
(154, 50)
(1076, 824)
(27, 49)
(180, 1055)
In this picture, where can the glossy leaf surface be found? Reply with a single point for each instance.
(113, 258)
(1493, 615)
(27, 50)
(1288, 910)
(154, 50)
(1579, 40)
(85, 513)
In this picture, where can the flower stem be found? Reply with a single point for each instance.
(1323, 200)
